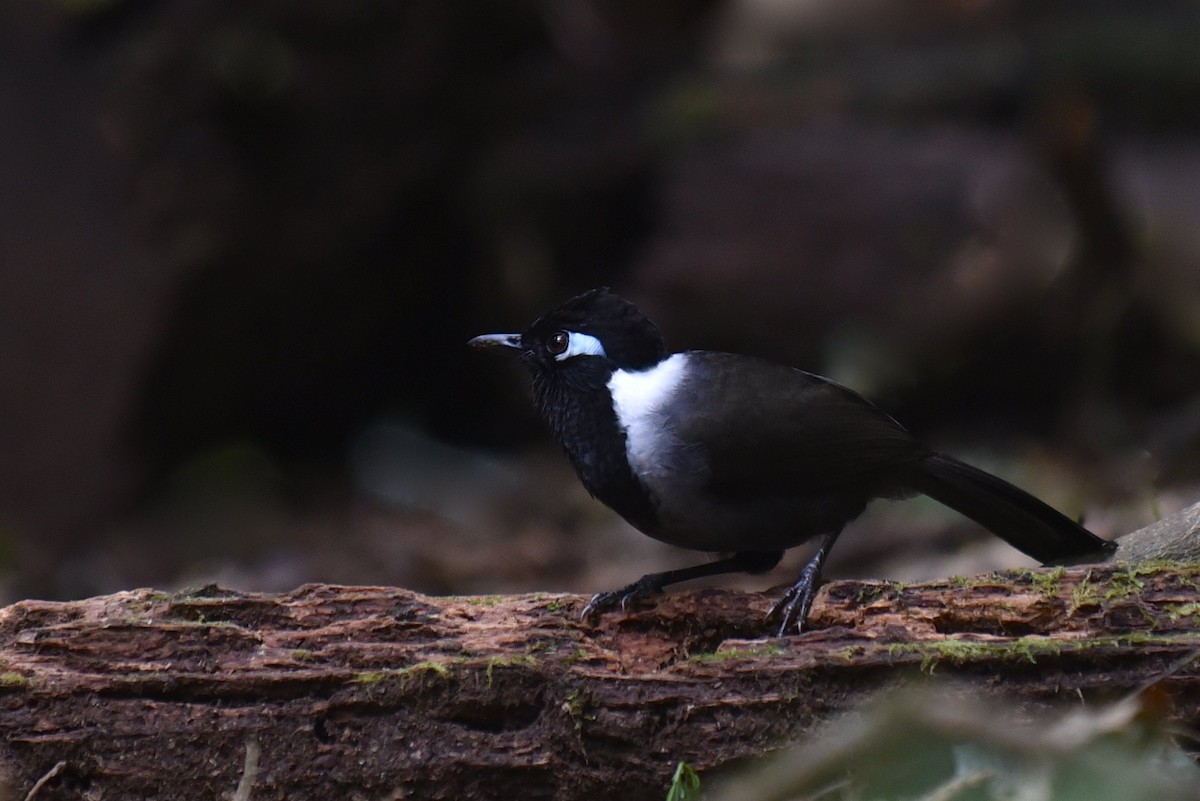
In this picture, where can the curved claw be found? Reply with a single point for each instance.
(793, 608)
(795, 603)
(601, 602)
(604, 601)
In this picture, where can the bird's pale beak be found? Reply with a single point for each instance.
(496, 341)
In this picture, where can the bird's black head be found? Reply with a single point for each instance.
(599, 324)
(573, 352)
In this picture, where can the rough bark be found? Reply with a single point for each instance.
(363, 692)
(1176, 538)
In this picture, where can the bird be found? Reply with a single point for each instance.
(740, 456)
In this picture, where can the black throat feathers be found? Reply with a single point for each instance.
(579, 408)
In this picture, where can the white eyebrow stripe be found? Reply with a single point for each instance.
(581, 345)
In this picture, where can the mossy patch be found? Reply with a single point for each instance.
(961, 652)
(576, 707)
(12, 679)
(482, 600)
(577, 656)
(1047, 582)
(749, 652)
(523, 660)
(877, 591)
(403, 675)
(1115, 586)
(1177, 611)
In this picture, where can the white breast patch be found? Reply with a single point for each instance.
(638, 399)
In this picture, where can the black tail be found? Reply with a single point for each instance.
(1012, 514)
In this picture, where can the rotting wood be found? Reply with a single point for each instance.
(367, 692)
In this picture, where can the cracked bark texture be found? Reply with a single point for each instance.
(368, 692)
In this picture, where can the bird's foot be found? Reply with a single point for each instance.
(792, 609)
(621, 599)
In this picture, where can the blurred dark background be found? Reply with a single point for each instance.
(242, 245)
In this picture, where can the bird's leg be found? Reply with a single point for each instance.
(794, 605)
(653, 583)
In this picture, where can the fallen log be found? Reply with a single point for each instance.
(368, 692)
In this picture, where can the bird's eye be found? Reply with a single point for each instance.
(563, 345)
